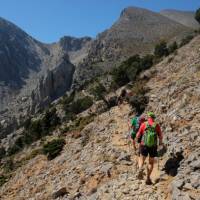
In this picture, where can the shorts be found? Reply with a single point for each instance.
(151, 151)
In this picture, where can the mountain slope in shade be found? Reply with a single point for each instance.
(135, 32)
(33, 74)
(187, 18)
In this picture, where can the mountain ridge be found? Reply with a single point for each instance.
(186, 18)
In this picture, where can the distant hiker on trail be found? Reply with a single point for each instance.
(147, 136)
(134, 126)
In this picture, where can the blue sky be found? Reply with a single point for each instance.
(48, 20)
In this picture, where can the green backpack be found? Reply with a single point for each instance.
(150, 135)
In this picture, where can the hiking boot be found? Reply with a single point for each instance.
(140, 174)
(148, 181)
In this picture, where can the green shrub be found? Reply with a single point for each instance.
(130, 68)
(120, 76)
(139, 103)
(98, 91)
(173, 47)
(197, 15)
(35, 130)
(81, 105)
(2, 152)
(161, 50)
(13, 149)
(67, 99)
(8, 166)
(53, 148)
(146, 62)
(186, 40)
(80, 123)
(3, 180)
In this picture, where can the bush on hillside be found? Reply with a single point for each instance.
(17, 146)
(53, 148)
(67, 99)
(81, 105)
(8, 166)
(130, 68)
(146, 62)
(197, 15)
(3, 180)
(35, 130)
(139, 103)
(173, 47)
(2, 152)
(98, 91)
(120, 77)
(161, 50)
(186, 40)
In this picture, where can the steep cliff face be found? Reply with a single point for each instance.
(53, 85)
(135, 32)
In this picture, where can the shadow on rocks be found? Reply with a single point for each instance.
(173, 163)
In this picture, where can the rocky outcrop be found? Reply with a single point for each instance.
(55, 83)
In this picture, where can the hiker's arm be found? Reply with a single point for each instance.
(160, 135)
(140, 133)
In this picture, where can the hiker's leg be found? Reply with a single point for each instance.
(150, 167)
(143, 155)
(134, 145)
(141, 161)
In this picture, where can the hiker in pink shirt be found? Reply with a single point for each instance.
(147, 137)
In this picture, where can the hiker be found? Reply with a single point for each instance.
(147, 136)
(134, 126)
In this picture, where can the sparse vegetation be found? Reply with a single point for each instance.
(197, 15)
(3, 180)
(98, 91)
(161, 50)
(2, 152)
(53, 148)
(80, 123)
(35, 130)
(186, 40)
(139, 101)
(129, 69)
(81, 105)
(173, 47)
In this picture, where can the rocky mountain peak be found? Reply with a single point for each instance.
(73, 44)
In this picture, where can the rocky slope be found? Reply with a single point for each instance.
(98, 163)
(183, 17)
